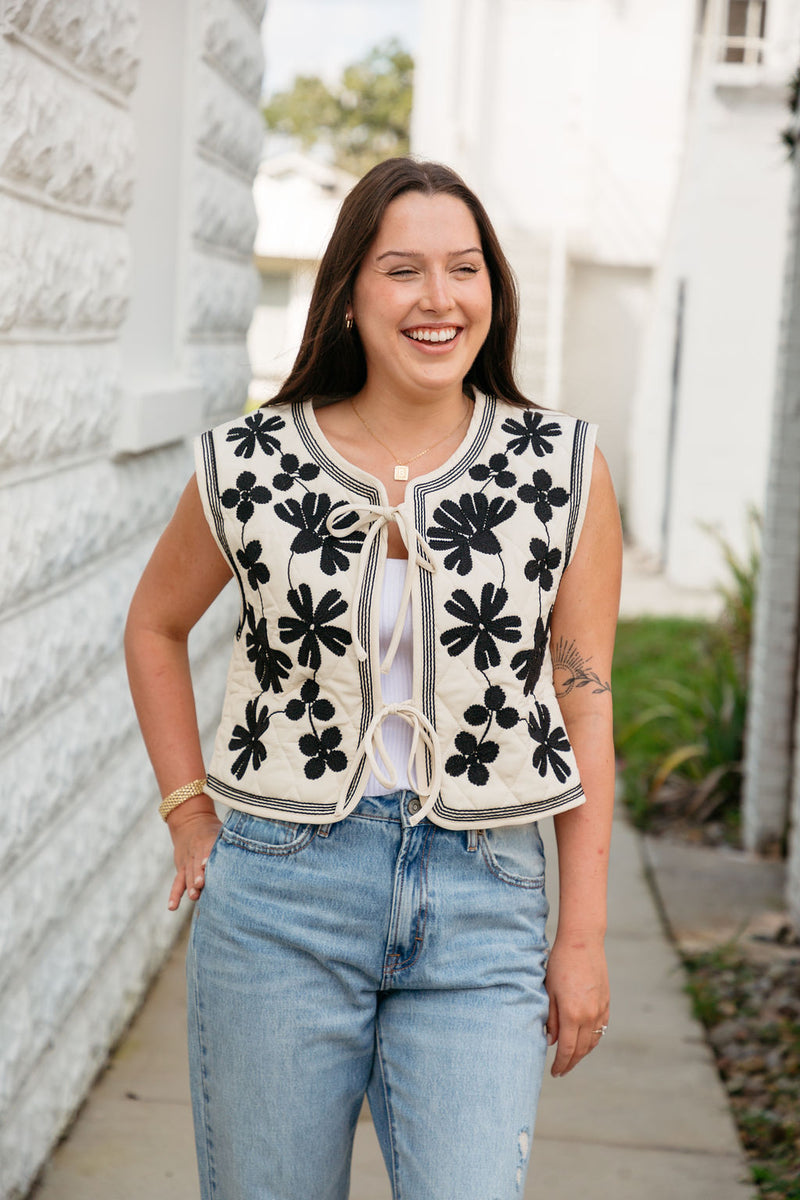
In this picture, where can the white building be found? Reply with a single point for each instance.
(628, 152)
(701, 418)
(297, 200)
(567, 118)
(129, 139)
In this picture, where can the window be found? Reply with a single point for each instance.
(744, 37)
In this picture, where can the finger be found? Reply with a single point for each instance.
(568, 1032)
(551, 1026)
(177, 890)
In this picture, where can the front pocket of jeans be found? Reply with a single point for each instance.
(514, 853)
(267, 835)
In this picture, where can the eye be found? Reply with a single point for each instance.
(402, 273)
(466, 269)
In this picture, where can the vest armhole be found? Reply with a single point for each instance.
(583, 446)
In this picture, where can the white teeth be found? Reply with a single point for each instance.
(432, 335)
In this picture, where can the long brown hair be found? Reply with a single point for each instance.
(330, 363)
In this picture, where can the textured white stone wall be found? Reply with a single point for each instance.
(85, 862)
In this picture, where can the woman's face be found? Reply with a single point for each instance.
(422, 300)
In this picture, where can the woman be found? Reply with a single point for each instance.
(410, 537)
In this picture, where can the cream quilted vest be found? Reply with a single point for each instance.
(489, 534)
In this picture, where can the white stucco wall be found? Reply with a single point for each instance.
(85, 863)
(727, 243)
(567, 117)
(606, 311)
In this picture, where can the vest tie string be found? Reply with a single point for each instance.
(373, 747)
(373, 518)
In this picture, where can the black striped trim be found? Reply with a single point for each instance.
(365, 602)
(576, 484)
(307, 807)
(426, 583)
(215, 504)
(532, 808)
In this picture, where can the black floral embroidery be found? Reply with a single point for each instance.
(245, 496)
(311, 701)
(467, 526)
(310, 516)
(257, 572)
(271, 666)
(551, 743)
(248, 739)
(531, 432)
(312, 624)
(494, 706)
(527, 664)
(482, 624)
(292, 470)
(542, 564)
(472, 757)
(497, 469)
(257, 430)
(321, 751)
(543, 496)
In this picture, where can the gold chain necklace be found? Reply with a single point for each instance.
(401, 468)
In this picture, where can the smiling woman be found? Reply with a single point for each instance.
(408, 534)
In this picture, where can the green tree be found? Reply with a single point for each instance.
(363, 119)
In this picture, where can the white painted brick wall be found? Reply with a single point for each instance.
(771, 759)
(85, 863)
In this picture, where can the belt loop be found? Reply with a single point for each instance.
(323, 831)
(472, 839)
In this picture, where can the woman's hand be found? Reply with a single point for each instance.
(193, 836)
(577, 984)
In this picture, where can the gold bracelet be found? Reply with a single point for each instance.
(180, 795)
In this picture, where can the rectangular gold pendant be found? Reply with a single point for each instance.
(401, 471)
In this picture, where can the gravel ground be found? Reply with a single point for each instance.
(749, 1001)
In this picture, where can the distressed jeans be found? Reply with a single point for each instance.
(367, 957)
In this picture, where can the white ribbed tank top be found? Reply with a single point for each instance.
(396, 684)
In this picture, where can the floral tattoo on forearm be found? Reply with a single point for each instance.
(571, 670)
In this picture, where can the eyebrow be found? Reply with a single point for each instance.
(418, 253)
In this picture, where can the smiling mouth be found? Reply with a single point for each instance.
(446, 334)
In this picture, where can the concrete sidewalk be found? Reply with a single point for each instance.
(644, 1116)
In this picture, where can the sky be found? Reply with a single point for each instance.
(320, 37)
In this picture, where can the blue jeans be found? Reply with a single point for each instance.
(373, 957)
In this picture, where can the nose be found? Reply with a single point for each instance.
(437, 296)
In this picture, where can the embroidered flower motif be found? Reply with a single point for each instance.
(320, 750)
(494, 705)
(310, 517)
(543, 496)
(245, 496)
(496, 470)
(257, 572)
(531, 432)
(311, 624)
(549, 743)
(472, 757)
(291, 470)
(247, 738)
(271, 666)
(543, 563)
(527, 664)
(319, 708)
(468, 526)
(483, 625)
(256, 431)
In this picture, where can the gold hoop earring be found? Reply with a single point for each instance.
(348, 323)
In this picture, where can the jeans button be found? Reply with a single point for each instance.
(414, 805)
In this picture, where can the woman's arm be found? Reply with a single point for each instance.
(582, 643)
(184, 575)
